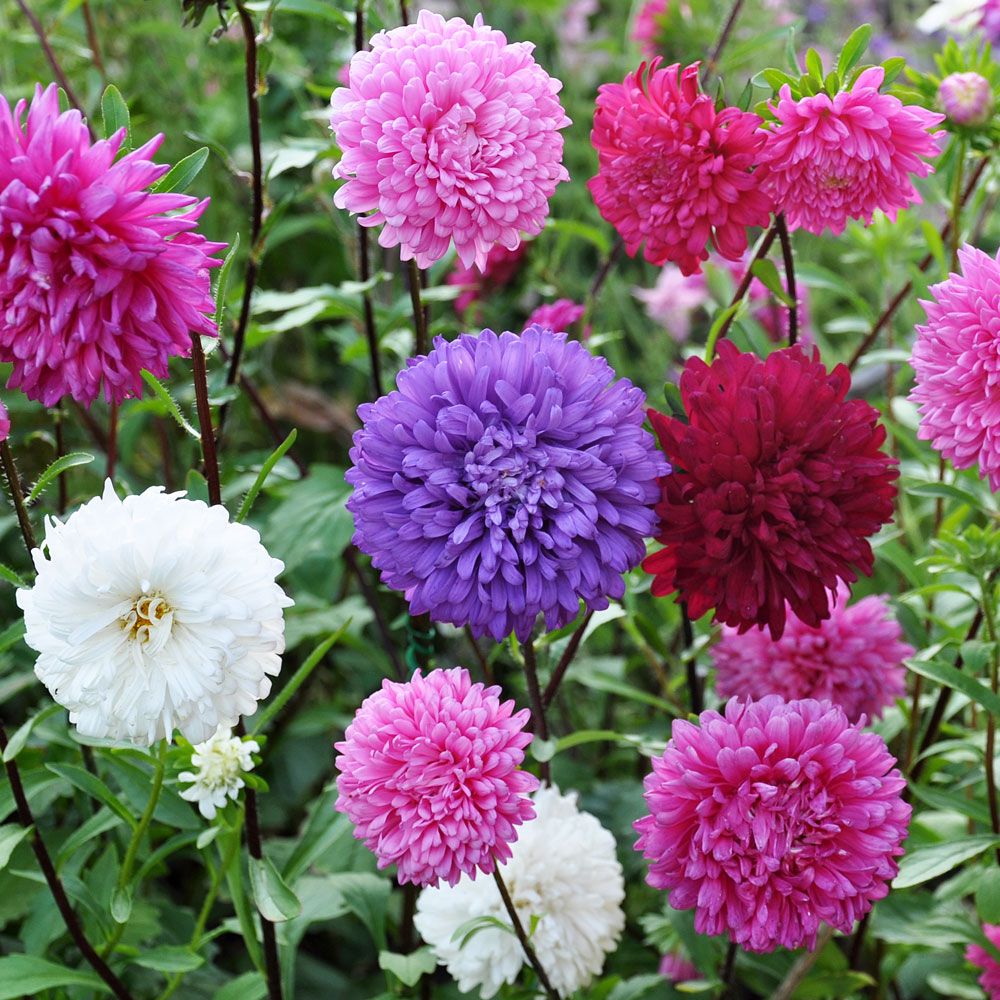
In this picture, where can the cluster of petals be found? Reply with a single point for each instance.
(673, 172)
(449, 134)
(778, 481)
(957, 366)
(772, 818)
(967, 98)
(675, 968)
(566, 883)
(648, 26)
(500, 269)
(507, 476)
(987, 961)
(153, 613)
(560, 316)
(100, 277)
(854, 659)
(830, 159)
(220, 763)
(429, 776)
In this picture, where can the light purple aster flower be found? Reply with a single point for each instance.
(507, 476)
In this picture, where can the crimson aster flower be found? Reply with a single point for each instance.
(830, 159)
(854, 659)
(448, 133)
(772, 818)
(778, 481)
(508, 476)
(985, 960)
(957, 366)
(429, 776)
(673, 172)
(100, 277)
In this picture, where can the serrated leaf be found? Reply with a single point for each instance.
(10, 576)
(180, 176)
(265, 471)
(925, 863)
(114, 111)
(273, 897)
(59, 466)
(222, 282)
(163, 395)
(854, 48)
(408, 969)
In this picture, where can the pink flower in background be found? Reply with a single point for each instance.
(771, 819)
(673, 300)
(580, 46)
(676, 968)
(448, 133)
(97, 282)
(957, 366)
(985, 960)
(560, 316)
(827, 160)
(770, 312)
(967, 98)
(648, 26)
(854, 659)
(429, 776)
(673, 172)
(500, 269)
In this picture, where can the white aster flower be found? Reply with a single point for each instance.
(955, 15)
(221, 761)
(563, 871)
(154, 613)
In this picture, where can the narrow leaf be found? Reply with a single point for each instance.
(26, 975)
(10, 836)
(274, 899)
(95, 788)
(222, 282)
(265, 471)
(183, 173)
(160, 392)
(946, 674)
(16, 743)
(56, 469)
(854, 48)
(115, 113)
(925, 863)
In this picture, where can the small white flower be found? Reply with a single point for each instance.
(955, 15)
(153, 613)
(564, 872)
(221, 762)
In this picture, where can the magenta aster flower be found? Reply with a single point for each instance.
(560, 316)
(649, 26)
(957, 367)
(672, 171)
(967, 98)
(854, 658)
(448, 133)
(827, 160)
(4, 423)
(985, 960)
(771, 819)
(501, 268)
(429, 776)
(97, 281)
(778, 481)
(677, 969)
(508, 476)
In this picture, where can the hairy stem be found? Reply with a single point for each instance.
(712, 64)
(742, 288)
(17, 496)
(210, 457)
(789, 260)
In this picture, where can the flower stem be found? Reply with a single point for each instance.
(789, 260)
(723, 40)
(209, 454)
(529, 951)
(597, 284)
(956, 203)
(565, 660)
(55, 885)
(17, 496)
(539, 724)
(695, 693)
(728, 969)
(422, 344)
(987, 596)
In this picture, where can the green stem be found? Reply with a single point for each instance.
(989, 616)
(956, 204)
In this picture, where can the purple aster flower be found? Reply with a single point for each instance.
(508, 476)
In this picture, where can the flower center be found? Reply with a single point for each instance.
(148, 621)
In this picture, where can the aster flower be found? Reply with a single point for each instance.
(4, 423)
(771, 819)
(677, 969)
(448, 133)
(853, 659)
(649, 26)
(672, 171)
(967, 98)
(429, 776)
(560, 316)
(827, 160)
(154, 613)
(508, 476)
(955, 364)
(97, 280)
(562, 871)
(783, 481)
(500, 269)
(673, 300)
(985, 960)
(221, 762)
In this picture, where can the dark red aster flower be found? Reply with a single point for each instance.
(778, 481)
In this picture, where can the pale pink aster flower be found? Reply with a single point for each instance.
(500, 269)
(854, 658)
(560, 316)
(967, 98)
(673, 172)
(677, 969)
(448, 133)
(97, 281)
(957, 366)
(985, 960)
(429, 776)
(827, 160)
(771, 819)
(649, 26)
(674, 299)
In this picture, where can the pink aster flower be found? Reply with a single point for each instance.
(676, 968)
(771, 819)
(827, 160)
(673, 172)
(854, 658)
(97, 282)
(500, 269)
(967, 98)
(649, 26)
(448, 133)
(429, 776)
(957, 367)
(560, 316)
(985, 960)
(673, 300)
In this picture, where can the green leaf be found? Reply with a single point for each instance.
(274, 899)
(814, 66)
(222, 282)
(946, 674)
(249, 986)
(464, 933)
(265, 471)
(765, 271)
(59, 466)
(183, 173)
(170, 958)
(10, 836)
(925, 863)
(17, 742)
(854, 48)
(26, 975)
(893, 67)
(95, 788)
(121, 904)
(408, 969)
(988, 896)
(367, 897)
(790, 56)
(115, 113)
(11, 577)
(161, 393)
(948, 491)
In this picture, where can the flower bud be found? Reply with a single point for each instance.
(967, 98)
